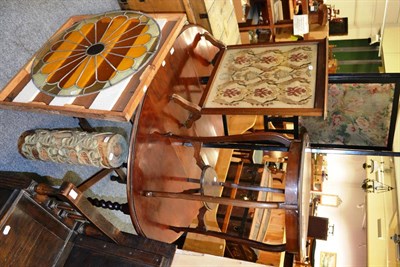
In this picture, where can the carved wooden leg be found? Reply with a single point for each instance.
(101, 203)
(194, 110)
(200, 217)
(120, 177)
(196, 154)
(67, 192)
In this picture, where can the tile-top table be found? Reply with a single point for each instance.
(118, 103)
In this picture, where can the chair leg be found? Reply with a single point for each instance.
(101, 203)
(120, 178)
(229, 208)
(85, 125)
(72, 195)
(85, 185)
(282, 120)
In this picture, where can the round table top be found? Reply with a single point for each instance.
(154, 162)
(157, 164)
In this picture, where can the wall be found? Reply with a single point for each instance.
(345, 176)
(365, 16)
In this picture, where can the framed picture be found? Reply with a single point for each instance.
(327, 259)
(361, 114)
(269, 79)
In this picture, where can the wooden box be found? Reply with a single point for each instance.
(94, 106)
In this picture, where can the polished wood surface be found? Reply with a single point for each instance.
(209, 244)
(297, 192)
(295, 204)
(157, 163)
(153, 161)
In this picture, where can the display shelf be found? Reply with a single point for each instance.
(269, 15)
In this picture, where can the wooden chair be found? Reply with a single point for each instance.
(210, 189)
(287, 125)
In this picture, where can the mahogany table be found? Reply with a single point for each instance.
(158, 164)
(297, 192)
(154, 163)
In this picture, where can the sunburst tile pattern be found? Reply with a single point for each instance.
(96, 53)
